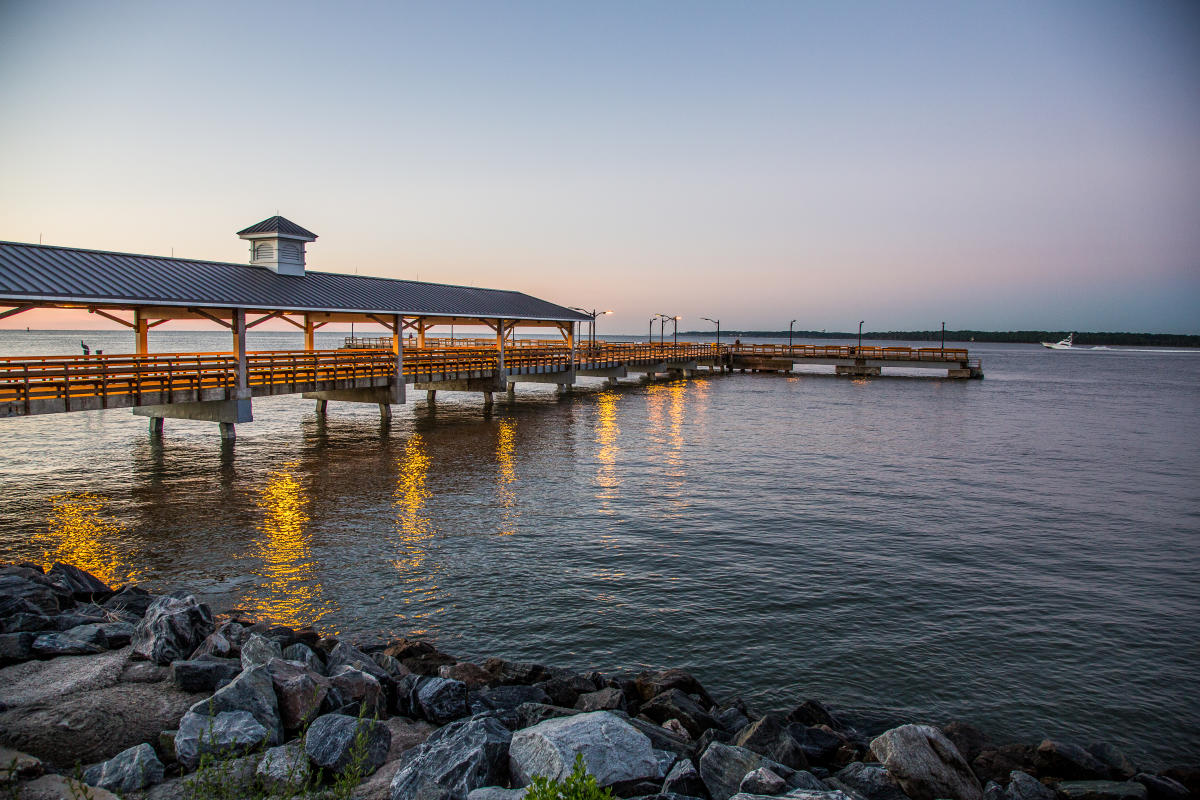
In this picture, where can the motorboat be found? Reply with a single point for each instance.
(1063, 344)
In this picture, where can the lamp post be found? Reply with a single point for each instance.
(943, 337)
(675, 331)
(859, 350)
(716, 322)
(790, 324)
(650, 335)
(593, 314)
(662, 328)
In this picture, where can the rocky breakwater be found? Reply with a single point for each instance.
(144, 696)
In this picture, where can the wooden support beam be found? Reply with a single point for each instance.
(291, 321)
(230, 325)
(261, 320)
(106, 315)
(158, 322)
(238, 326)
(389, 325)
(310, 331)
(141, 333)
(12, 312)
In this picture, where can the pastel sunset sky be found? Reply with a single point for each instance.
(997, 164)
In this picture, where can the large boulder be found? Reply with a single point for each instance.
(926, 764)
(613, 750)
(723, 766)
(23, 591)
(465, 755)
(345, 654)
(16, 647)
(811, 712)
(299, 691)
(770, 736)
(285, 770)
(131, 599)
(1068, 762)
(651, 684)
(356, 691)
(684, 779)
(674, 704)
(996, 763)
(205, 674)
(223, 734)
(336, 741)
(607, 699)
(1160, 787)
(762, 781)
(511, 673)
(871, 781)
(253, 692)
(127, 771)
(258, 650)
(82, 585)
(1102, 790)
(50, 645)
(473, 675)
(418, 656)
(506, 698)
(173, 627)
(1021, 786)
(1119, 767)
(443, 700)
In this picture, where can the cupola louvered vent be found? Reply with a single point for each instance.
(278, 244)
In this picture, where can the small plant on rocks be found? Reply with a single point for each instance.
(579, 785)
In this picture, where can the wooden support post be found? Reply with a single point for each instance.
(310, 334)
(421, 333)
(385, 412)
(141, 333)
(431, 396)
(500, 346)
(322, 405)
(487, 401)
(228, 431)
(398, 349)
(512, 392)
(156, 426)
(238, 326)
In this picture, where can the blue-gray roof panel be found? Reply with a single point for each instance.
(30, 272)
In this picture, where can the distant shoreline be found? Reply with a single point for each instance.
(1005, 337)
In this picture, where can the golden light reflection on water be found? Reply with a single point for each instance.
(506, 496)
(79, 533)
(607, 432)
(290, 593)
(414, 528)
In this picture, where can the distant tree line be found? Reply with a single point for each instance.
(1014, 337)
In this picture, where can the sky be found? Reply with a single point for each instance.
(994, 164)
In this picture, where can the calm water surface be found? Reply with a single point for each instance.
(1022, 552)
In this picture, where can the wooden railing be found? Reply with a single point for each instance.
(852, 351)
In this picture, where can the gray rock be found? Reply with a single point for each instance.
(30, 594)
(217, 644)
(128, 771)
(805, 780)
(1102, 790)
(1120, 768)
(131, 599)
(473, 675)
(298, 690)
(174, 625)
(203, 674)
(967, 739)
(610, 699)
(357, 689)
(511, 673)
(651, 684)
(497, 793)
(808, 794)
(926, 764)
(1068, 762)
(80, 615)
(51, 645)
(684, 779)
(305, 655)
(16, 647)
(443, 700)
(770, 737)
(819, 745)
(464, 755)
(1161, 787)
(660, 737)
(78, 582)
(26, 621)
(251, 691)
(345, 654)
(284, 769)
(674, 704)
(613, 750)
(60, 787)
(723, 766)
(390, 665)
(506, 698)
(224, 734)
(872, 781)
(335, 740)
(732, 719)
(995, 763)
(811, 713)
(762, 781)
(258, 650)
(1022, 786)
(530, 714)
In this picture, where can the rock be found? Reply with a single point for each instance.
(566, 689)
(871, 781)
(15, 765)
(505, 698)
(1159, 787)
(1119, 767)
(925, 764)
(464, 755)
(113, 635)
(651, 684)
(676, 727)
(1102, 790)
(252, 691)
(358, 691)
(966, 738)
(406, 734)
(81, 615)
(128, 771)
(497, 793)
(203, 674)
(685, 779)
(224, 733)
(674, 704)
(733, 719)
(1187, 776)
(216, 644)
(29, 595)
(258, 650)
(418, 657)
(284, 769)
(995, 763)
(443, 700)
(334, 741)
(344, 654)
(512, 673)
(82, 585)
(299, 691)
(1067, 762)
(473, 675)
(16, 647)
(305, 655)
(26, 621)
(132, 600)
(51, 645)
(806, 781)
(762, 781)
(58, 787)
(174, 625)
(770, 737)
(613, 750)
(723, 766)
(1022, 786)
(530, 714)
(610, 699)
(660, 737)
(810, 794)
(812, 713)
(819, 745)
(390, 665)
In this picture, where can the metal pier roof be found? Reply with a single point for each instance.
(32, 273)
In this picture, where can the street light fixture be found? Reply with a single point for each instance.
(790, 324)
(662, 328)
(716, 322)
(859, 350)
(675, 332)
(593, 314)
(943, 337)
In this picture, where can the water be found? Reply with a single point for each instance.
(1021, 552)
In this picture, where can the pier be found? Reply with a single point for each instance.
(143, 292)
